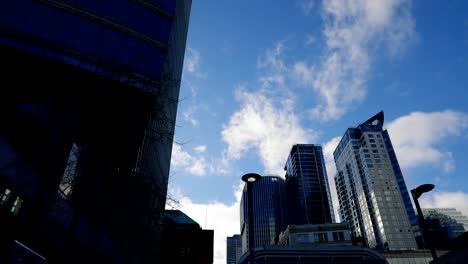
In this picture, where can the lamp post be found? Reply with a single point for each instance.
(416, 193)
(250, 179)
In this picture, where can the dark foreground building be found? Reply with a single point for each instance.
(88, 104)
(184, 240)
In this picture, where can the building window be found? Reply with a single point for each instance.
(16, 206)
(5, 196)
(68, 178)
(320, 237)
(372, 140)
(375, 151)
(371, 135)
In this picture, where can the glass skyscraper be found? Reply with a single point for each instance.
(371, 190)
(233, 249)
(268, 209)
(307, 189)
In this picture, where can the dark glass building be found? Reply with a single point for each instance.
(233, 249)
(88, 106)
(307, 189)
(268, 208)
(371, 190)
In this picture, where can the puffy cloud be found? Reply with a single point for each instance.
(182, 160)
(328, 149)
(221, 217)
(266, 125)
(353, 29)
(415, 137)
(444, 199)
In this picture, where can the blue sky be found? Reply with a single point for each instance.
(259, 77)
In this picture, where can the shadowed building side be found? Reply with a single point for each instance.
(88, 125)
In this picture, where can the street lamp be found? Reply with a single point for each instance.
(250, 179)
(417, 192)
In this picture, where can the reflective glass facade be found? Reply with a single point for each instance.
(233, 249)
(268, 209)
(307, 189)
(371, 189)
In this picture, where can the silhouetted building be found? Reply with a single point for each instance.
(184, 241)
(370, 186)
(307, 189)
(458, 253)
(454, 220)
(268, 211)
(87, 125)
(233, 249)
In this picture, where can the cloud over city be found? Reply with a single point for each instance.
(416, 137)
(353, 30)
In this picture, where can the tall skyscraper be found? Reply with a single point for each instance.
(233, 249)
(370, 186)
(268, 211)
(307, 189)
(88, 124)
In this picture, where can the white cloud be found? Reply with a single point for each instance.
(415, 137)
(221, 217)
(268, 126)
(276, 69)
(184, 161)
(445, 199)
(353, 30)
(306, 6)
(192, 62)
(200, 149)
(328, 149)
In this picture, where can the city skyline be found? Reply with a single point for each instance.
(259, 78)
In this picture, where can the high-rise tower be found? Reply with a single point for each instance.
(268, 211)
(307, 189)
(370, 186)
